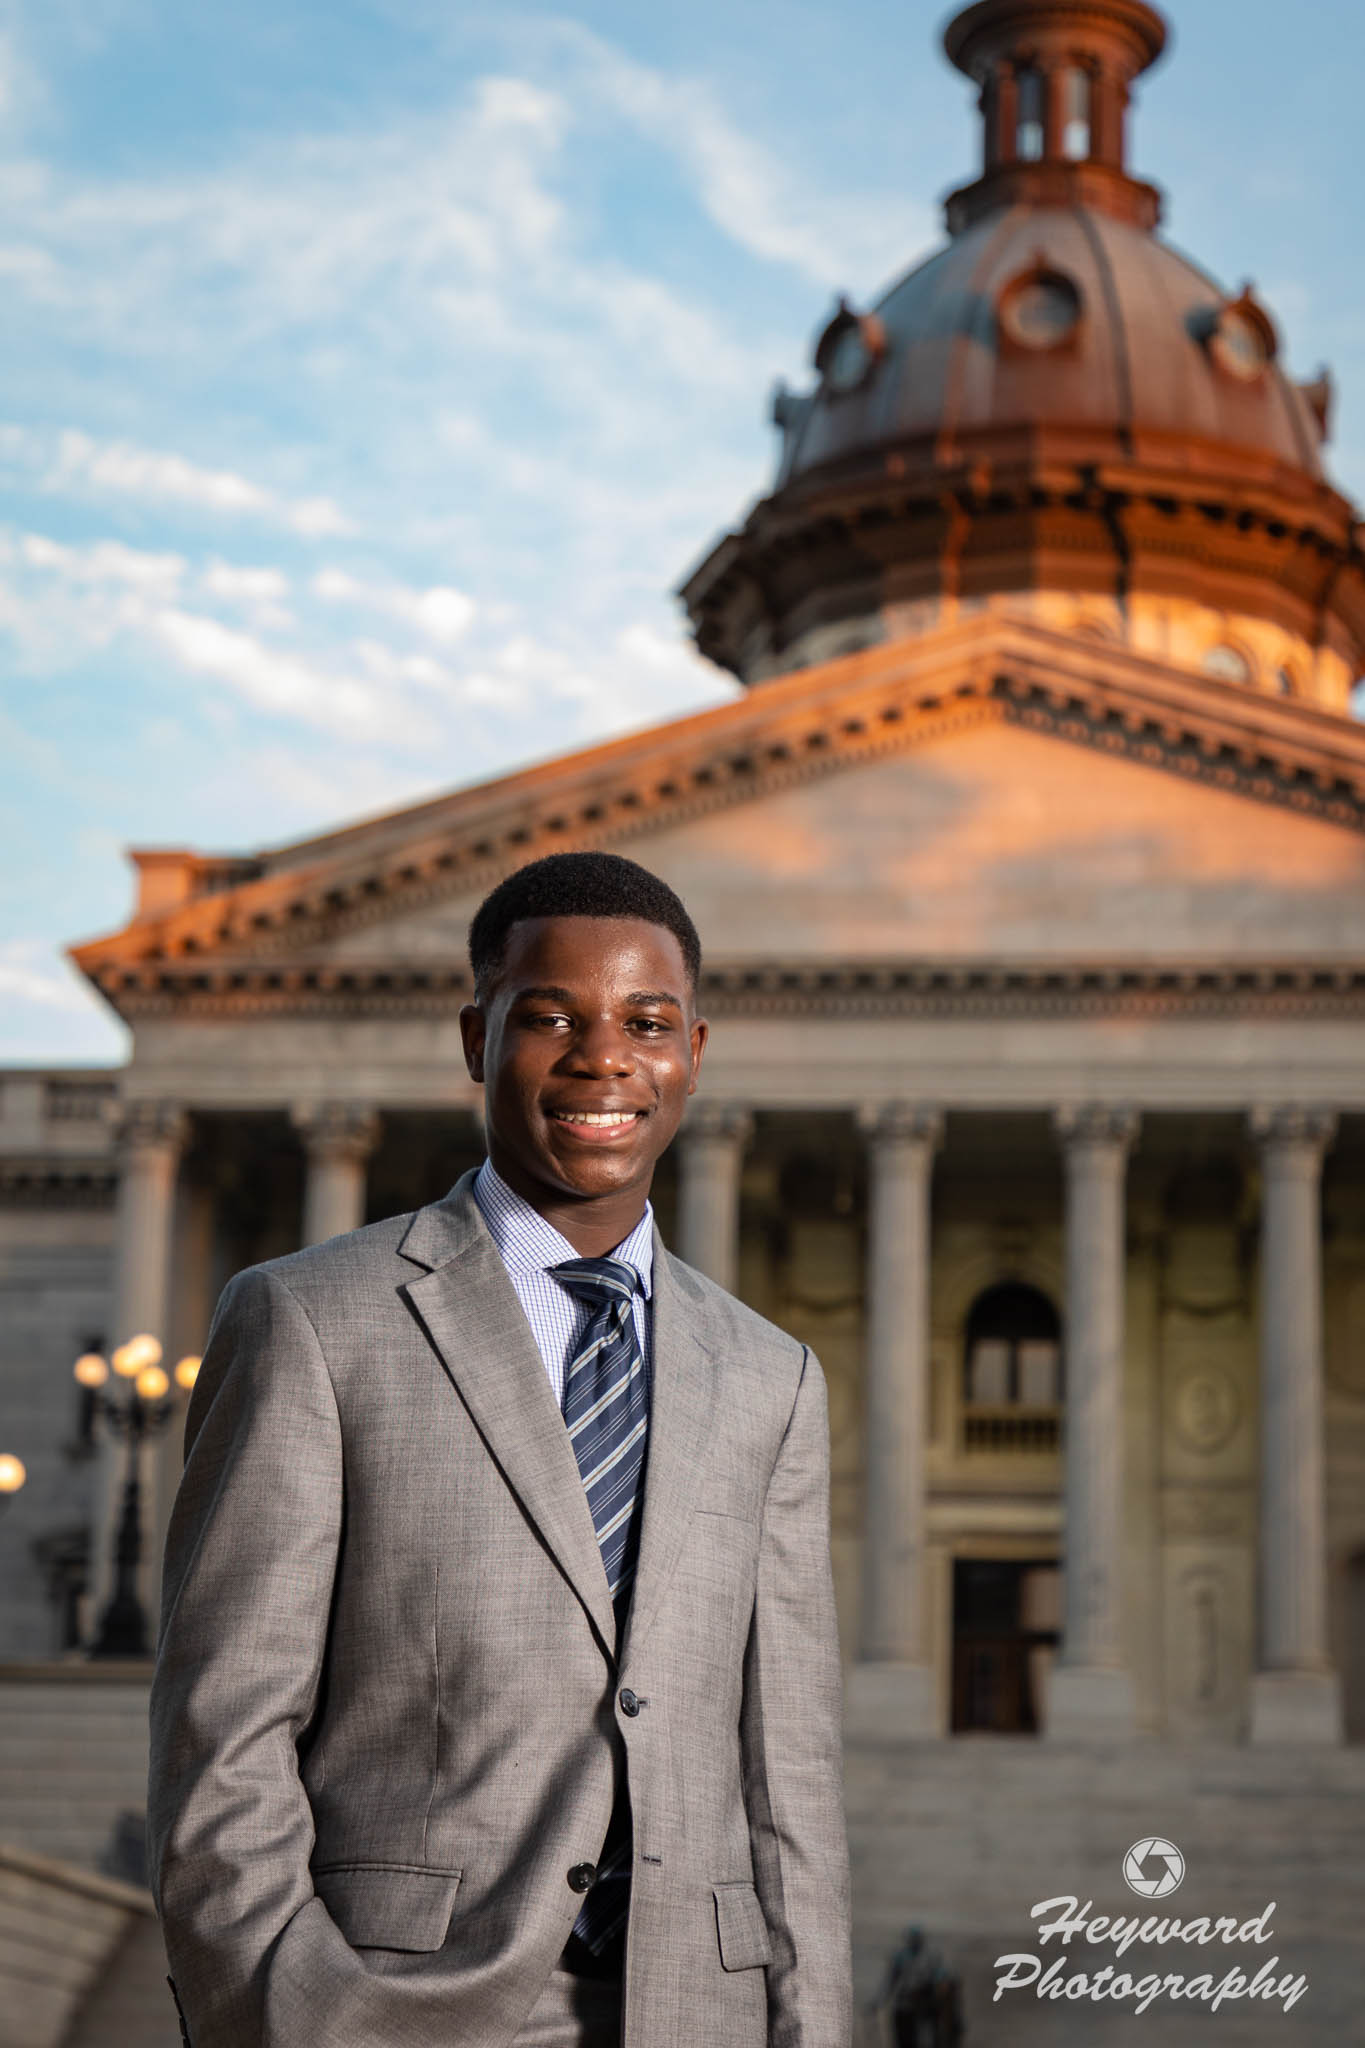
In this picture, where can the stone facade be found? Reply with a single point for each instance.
(1002, 1015)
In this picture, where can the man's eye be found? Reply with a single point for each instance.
(652, 1025)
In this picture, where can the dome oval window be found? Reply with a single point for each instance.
(1239, 346)
(1227, 664)
(849, 349)
(1041, 310)
(1241, 338)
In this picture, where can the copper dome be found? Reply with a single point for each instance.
(1054, 327)
(1056, 400)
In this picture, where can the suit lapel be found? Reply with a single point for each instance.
(683, 1415)
(471, 1314)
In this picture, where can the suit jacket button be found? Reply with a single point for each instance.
(629, 1703)
(582, 1877)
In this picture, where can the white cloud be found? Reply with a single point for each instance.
(440, 613)
(32, 972)
(118, 468)
(838, 238)
(261, 592)
(241, 584)
(104, 562)
(281, 683)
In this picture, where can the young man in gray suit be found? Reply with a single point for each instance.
(497, 1699)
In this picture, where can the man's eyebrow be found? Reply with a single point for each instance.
(641, 997)
(638, 999)
(545, 995)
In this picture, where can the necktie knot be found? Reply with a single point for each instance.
(597, 1281)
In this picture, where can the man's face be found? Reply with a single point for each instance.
(588, 1048)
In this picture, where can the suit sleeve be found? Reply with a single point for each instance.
(250, 1562)
(792, 1742)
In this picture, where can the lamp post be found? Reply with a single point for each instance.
(141, 1416)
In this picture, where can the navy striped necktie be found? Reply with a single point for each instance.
(606, 1412)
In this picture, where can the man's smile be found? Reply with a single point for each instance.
(598, 1124)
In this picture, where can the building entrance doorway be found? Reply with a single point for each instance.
(1006, 1626)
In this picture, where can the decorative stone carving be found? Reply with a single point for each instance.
(887, 1124)
(338, 1138)
(340, 1131)
(1106, 1125)
(1206, 1409)
(1305, 1132)
(151, 1127)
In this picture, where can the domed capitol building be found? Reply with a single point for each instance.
(1030, 867)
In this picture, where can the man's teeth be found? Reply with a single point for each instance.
(593, 1116)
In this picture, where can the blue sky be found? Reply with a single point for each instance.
(372, 372)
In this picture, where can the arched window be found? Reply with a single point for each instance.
(1227, 664)
(1076, 114)
(1028, 133)
(1013, 1349)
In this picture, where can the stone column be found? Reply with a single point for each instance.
(892, 1690)
(338, 1139)
(151, 1137)
(1006, 121)
(710, 1155)
(1054, 109)
(1090, 1692)
(1296, 1695)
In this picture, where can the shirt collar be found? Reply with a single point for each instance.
(527, 1243)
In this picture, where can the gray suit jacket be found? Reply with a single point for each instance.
(387, 1717)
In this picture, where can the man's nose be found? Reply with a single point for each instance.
(602, 1047)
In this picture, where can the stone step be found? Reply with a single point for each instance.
(129, 2005)
(59, 1927)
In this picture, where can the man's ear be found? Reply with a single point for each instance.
(473, 1030)
(701, 1031)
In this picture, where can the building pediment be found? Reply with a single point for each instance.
(993, 799)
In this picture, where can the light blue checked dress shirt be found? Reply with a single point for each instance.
(527, 1245)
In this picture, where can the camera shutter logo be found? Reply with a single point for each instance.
(1153, 1867)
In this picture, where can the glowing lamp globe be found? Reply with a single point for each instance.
(91, 1370)
(12, 1473)
(152, 1383)
(187, 1371)
(142, 1351)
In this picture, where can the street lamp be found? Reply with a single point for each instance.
(143, 1414)
(12, 1477)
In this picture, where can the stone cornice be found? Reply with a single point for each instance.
(269, 937)
(947, 989)
(992, 511)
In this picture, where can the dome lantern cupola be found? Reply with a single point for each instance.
(1056, 416)
(1054, 79)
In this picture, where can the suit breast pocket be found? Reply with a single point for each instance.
(389, 1905)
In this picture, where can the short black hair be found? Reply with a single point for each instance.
(577, 885)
